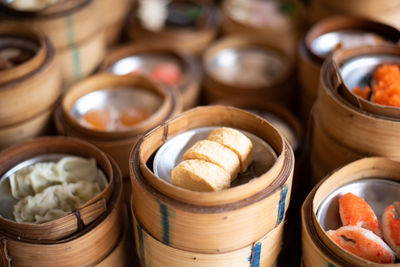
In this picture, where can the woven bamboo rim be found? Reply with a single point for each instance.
(186, 40)
(361, 169)
(27, 96)
(272, 108)
(33, 63)
(69, 223)
(169, 213)
(118, 148)
(80, 60)
(59, 21)
(22, 131)
(287, 35)
(190, 89)
(108, 81)
(341, 56)
(85, 248)
(215, 89)
(151, 252)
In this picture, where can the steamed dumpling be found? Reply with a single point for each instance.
(34, 179)
(54, 202)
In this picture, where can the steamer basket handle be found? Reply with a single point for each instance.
(5, 258)
(91, 212)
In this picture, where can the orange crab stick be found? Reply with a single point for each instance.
(391, 227)
(355, 211)
(363, 243)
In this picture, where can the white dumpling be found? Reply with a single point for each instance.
(34, 179)
(54, 202)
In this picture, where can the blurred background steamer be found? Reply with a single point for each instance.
(331, 34)
(74, 29)
(85, 237)
(345, 126)
(193, 225)
(30, 84)
(165, 65)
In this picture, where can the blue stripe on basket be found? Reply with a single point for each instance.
(141, 244)
(282, 204)
(164, 223)
(255, 255)
(71, 44)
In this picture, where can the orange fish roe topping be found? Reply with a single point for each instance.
(391, 226)
(355, 211)
(99, 119)
(134, 115)
(363, 93)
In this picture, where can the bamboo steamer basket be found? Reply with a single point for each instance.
(318, 248)
(283, 114)
(79, 49)
(309, 62)
(191, 41)
(79, 61)
(263, 252)
(114, 14)
(39, 125)
(200, 221)
(387, 12)
(68, 224)
(189, 89)
(287, 33)
(346, 131)
(84, 248)
(32, 87)
(116, 143)
(281, 89)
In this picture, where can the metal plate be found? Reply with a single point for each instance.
(7, 201)
(358, 71)
(283, 127)
(247, 66)
(378, 193)
(146, 62)
(324, 44)
(119, 99)
(171, 154)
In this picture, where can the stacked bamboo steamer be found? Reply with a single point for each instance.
(387, 12)
(285, 26)
(75, 31)
(311, 55)
(345, 127)
(375, 179)
(114, 14)
(192, 40)
(164, 102)
(141, 58)
(91, 236)
(264, 69)
(178, 227)
(28, 91)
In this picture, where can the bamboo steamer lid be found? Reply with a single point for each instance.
(222, 56)
(32, 87)
(84, 248)
(339, 124)
(147, 56)
(287, 31)
(114, 14)
(200, 221)
(116, 143)
(368, 177)
(191, 41)
(151, 252)
(68, 224)
(310, 60)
